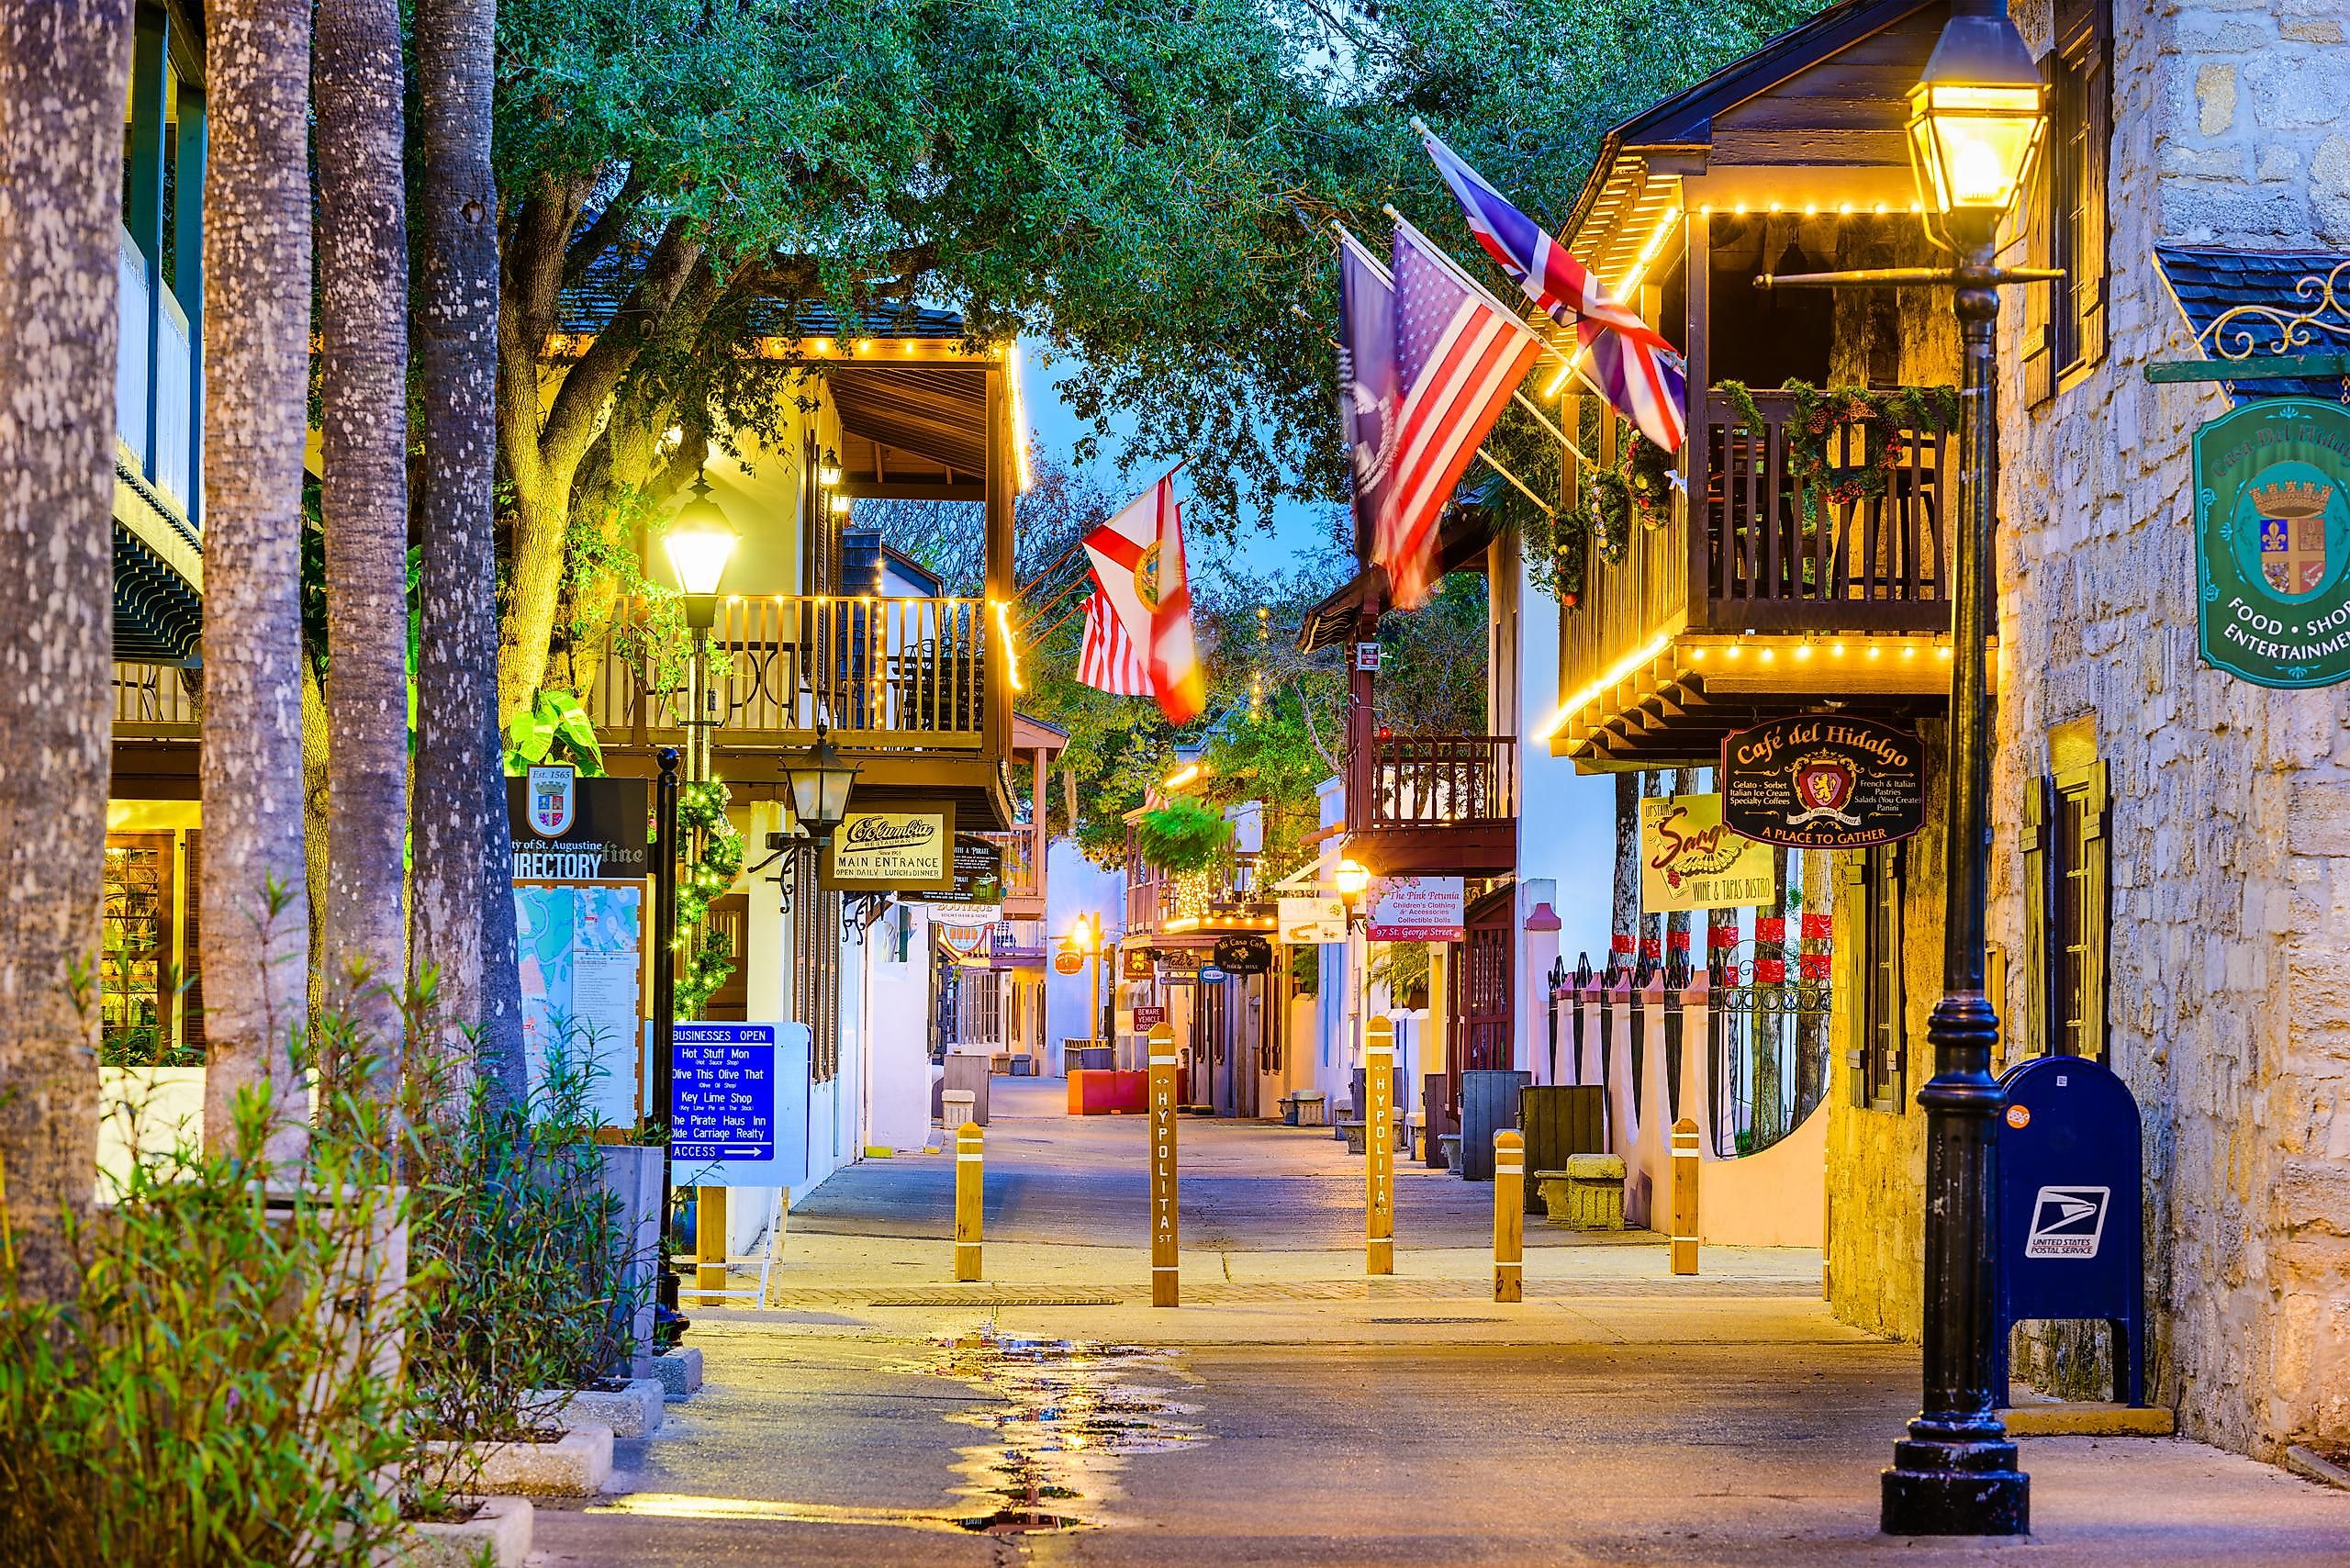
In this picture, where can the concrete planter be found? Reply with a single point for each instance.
(501, 1524)
(678, 1371)
(1595, 1193)
(632, 1410)
(575, 1465)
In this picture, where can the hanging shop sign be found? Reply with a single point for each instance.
(1307, 923)
(979, 878)
(1211, 975)
(1418, 909)
(2272, 541)
(1139, 963)
(569, 829)
(1690, 860)
(1823, 781)
(1067, 961)
(906, 849)
(1244, 954)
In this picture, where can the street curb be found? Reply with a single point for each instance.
(2088, 1418)
(2316, 1467)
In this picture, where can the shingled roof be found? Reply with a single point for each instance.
(2208, 283)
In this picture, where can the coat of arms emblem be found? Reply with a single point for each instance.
(2293, 557)
(555, 799)
(1824, 785)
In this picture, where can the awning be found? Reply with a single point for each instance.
(2268, 291)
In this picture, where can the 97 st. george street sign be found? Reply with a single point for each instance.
(2272, 541)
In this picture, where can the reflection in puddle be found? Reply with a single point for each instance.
(1063, 1420)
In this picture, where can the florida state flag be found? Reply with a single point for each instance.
(1142, 605)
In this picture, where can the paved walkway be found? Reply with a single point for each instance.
(1294, 1412)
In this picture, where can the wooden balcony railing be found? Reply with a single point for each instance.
(1435, 781)
(919, 674)
(153, 703)
(1740, 555)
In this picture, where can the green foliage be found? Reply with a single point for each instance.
(555, 726)
(712, 858)
(1822, 418)
(225, 1389)
(531, 1268)
(1182, 836)
(1649, 472)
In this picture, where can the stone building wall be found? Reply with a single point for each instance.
(1877, 1159)
(2230, 803)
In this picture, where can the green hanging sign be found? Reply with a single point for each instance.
(2272, 541)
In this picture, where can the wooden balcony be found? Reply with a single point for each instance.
(1742, 606)
(1433, 803)
(916, 689)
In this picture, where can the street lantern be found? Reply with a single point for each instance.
(1353, 880)
(1977, 115)
(820, 785)
(828, 473)
(698, 543)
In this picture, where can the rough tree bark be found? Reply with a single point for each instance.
(362, 309)
(1624, 906)
(463, 861)
(64, 68)
(256, 937)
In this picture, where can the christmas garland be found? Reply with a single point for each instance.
(1649, 472)
(1608, 514)
(703, 878)
(1821, 417)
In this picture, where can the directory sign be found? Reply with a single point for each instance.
(722, 1092)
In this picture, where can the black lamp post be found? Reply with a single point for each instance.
(1976, 116)
(665, 1000)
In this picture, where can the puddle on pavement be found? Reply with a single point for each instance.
(1062, 1419)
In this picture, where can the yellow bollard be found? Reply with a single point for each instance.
(1379, 1146)
(710, 1242)
(1509, 1216)
(970, 1178)
(1166, 1274)
(1685, 1196)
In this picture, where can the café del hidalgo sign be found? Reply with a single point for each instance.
(2272, 541)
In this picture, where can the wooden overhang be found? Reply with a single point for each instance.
(1670, 704)
(1461, 538)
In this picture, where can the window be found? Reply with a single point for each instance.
(1879, 1059)
(2064, 321)
(134, 991)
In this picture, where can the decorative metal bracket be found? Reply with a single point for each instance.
(2236, 334)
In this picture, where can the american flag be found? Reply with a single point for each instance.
(1633, 366)
(1460, 353)
(1107, 660)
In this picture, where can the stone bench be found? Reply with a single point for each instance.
(1587, 1195)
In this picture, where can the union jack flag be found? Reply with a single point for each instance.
(1630, 364)
(1460, 353)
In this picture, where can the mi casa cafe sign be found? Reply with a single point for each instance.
(910, 849)
(1823, 781)
(2272, 541)
(568, 829)
(1689, 860)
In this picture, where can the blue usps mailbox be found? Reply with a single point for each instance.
(2068, 1183)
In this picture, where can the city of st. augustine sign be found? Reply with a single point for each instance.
(2272, 541)
(1823, 781)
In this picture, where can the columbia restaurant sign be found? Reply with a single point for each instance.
(911, 849)
(2272, 541)
(1823, 781)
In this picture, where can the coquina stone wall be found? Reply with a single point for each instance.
(2230, 991)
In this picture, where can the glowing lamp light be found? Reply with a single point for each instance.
(698, 541)
(828, 473)
(1353, 878)
(1977, 114)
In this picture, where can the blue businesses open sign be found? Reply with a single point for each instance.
(2067, 1183)
(721, 1098)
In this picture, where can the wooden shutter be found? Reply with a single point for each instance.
(2034, 1040)
(2086, 791)
(1852, 881)
(2040, 211)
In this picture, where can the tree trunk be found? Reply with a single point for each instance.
(64, 68)
(1623, 907)
(315, 796)
(362, 310)
(464, 864)
(256, 349)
